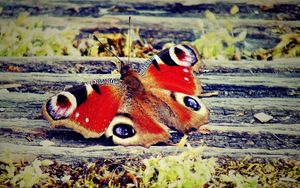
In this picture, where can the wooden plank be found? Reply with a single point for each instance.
(26, 126)
(286, 129)
(156, 2)
(266, 136)
(226, 110)
(228, 84)
(168, 22)
(276, 65)
(256, 9)
(229, 103)
(66, 63)
(224, 79)
(93, 152)
(157, 23)
(253, 80)
(219, 139)
(162, 30)
(46, 77)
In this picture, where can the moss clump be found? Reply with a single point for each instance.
(27, 36)
(186, 169)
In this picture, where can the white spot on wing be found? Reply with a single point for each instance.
(87, 120)
(185, 78)
(77, 115)
(185, 70)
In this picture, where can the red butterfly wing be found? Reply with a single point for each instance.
(175, 78)
(134, 126)
(98, 109)
(188, 110)
(86, 109)
(172, 69)
(171, 79)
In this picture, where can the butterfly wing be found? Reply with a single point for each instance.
(136, 122)
(170, 78)
(188, 112)
(88, 109)
(172, 69)
(133, 125)
(94, 110)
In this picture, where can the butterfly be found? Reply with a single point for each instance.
(140, 107)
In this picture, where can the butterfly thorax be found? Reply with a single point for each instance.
(132, 81)
(133, 84)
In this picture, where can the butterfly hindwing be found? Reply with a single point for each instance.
(170, 78)
(134, 126)
(188, 111)
(136, 122)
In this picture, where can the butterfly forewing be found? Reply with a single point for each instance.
(171, 71)
(90, 117)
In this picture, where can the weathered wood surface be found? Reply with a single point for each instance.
(234, 131)
(161, 30)
(160, 23)
(225, 109)
(231, 79)
(245, 87)
(282, 9)
(69, 154)
(66, 64)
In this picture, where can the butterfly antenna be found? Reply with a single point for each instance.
(129, 39)
(108, 50)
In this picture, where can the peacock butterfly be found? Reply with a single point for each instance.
(141, 106)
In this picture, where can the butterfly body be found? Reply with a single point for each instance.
(140, 107)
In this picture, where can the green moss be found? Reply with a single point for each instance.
(182, 169)
(27, 36)
(187, 169)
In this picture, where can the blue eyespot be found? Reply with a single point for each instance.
(191, 103)
(123, 130)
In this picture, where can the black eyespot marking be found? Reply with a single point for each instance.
(96, 88)
(191, 103)
(51, 112)
(180, 54)
(191, 53)
(173, 96)
(178, 51)
(187, 47)
(154, 62)
(123, 130)
(62, 101)
(80, 93)
(165, 56)
(48, 107)
(124, 114)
